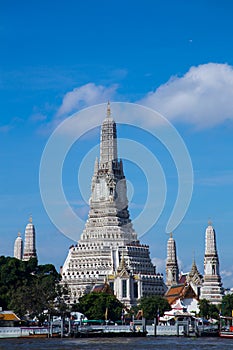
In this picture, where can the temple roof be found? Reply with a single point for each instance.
(123, 269)
(180, 291)
(102, 288)
(194, 275)
(8, 316)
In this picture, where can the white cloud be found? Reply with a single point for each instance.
(76, 100)
(202, 97)
(160, 264)
(226, 273)
(5, 128)
(227, 278)
(224, 178)
(84, 96)
(38, 117)
(13, 123)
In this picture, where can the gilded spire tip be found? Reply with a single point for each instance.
(30, 219)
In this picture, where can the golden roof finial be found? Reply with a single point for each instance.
(108, 110)
(19, 234)
(122, 264)
(30, 219)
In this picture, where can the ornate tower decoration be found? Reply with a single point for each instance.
(195, 279)
(29, 241)
(172, 270)
(18, 247)
(212, 287)
(108, 237)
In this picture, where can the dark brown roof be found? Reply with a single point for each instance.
(102, 288)
(182, 279)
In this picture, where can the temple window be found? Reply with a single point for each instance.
(135, 289)
(124, 289)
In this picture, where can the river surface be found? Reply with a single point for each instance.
(163, 343)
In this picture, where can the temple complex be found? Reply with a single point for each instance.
(208, 287)
(108, 250)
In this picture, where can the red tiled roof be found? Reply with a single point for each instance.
(179, 291)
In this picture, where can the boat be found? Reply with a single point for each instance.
(100, 328)
(39, 332)
(226, 327)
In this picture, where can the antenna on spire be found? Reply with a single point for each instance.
(108, 110)
(30, 218)
(170, 234)
(209, 222)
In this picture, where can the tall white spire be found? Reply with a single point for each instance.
(172, 270)
(30, 241)
(18, 247)
(212, 287)
(108, 141)
(108, 190)
(210, 241)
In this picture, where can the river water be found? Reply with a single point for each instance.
(157, 343)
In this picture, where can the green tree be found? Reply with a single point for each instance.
(28, 288)
(227, 305)
(99, 306)
(151, 305)
(208, 310)
(204, 308)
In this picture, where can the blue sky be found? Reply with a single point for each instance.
(175, 57)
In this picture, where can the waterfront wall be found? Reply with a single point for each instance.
(165, 330)
(10, 332)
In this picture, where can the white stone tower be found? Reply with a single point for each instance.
(29, 241)
(172, 270)
(212, 287)
(18, 247)
(108, 237)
